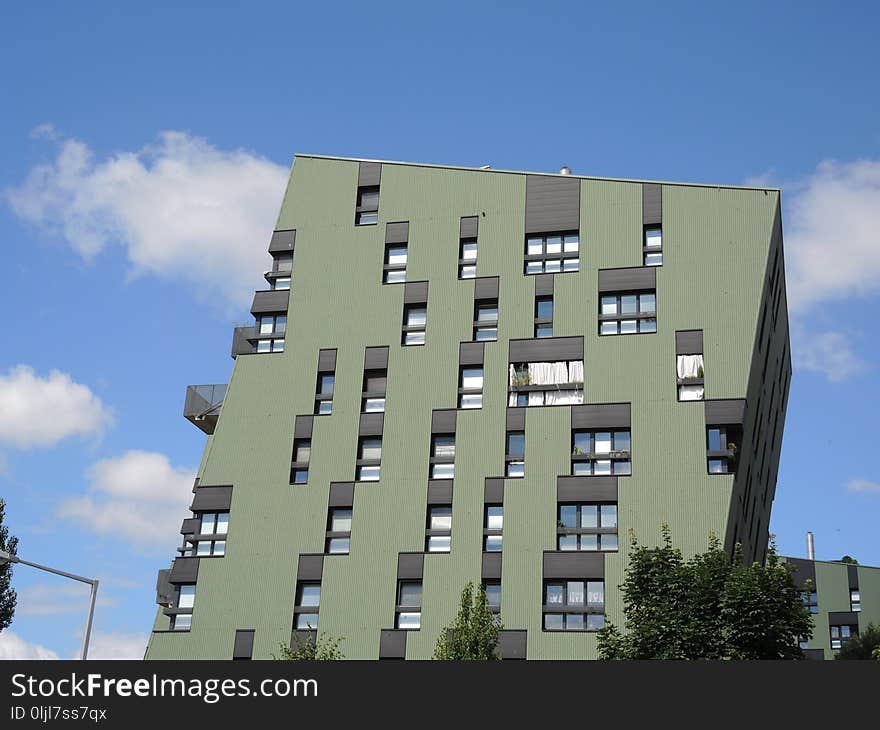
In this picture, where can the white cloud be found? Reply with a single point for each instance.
(832, 239)
(828, 353)
(12, 646)
(43, 599)
(46, 130)
(181, 208)
(764, 180)
(139, 493)
(864, 486)
(41, 411)
(115, 645)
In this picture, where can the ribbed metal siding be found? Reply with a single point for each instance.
(552, 204)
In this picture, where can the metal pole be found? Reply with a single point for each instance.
(87, 632)
(811, 547)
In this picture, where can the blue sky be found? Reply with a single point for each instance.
(144, 150)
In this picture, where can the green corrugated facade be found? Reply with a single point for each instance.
(719, 249)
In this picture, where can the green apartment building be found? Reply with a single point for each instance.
(463, 374)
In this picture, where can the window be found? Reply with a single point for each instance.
(515, 453)
(543, 317)
(493, 525)
(628, 313)
(272, 324)
(653, 246)
(367, 211)
(689, 370)
(282, 262)
(324, 393)
(186, 599)
(338, 539)
(442, 456)
(840, 635)
(721, 449)
(394, 271)
(467, 258)
(415, 319)
(308, 602)
(369, 459)
(601, 453)
(574, 605)
(409, 605)
(212, 524)
(299, 469)
(588, 526)
(281, 283)
(486, 320)
(273, 345)
(493, 597)
(855, 600)
(438, 537)
(552, 253)
(811, 600)
(181, 622)
(562, 383)
(470, 387)
(373, 395)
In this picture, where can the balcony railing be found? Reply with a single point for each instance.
(202, 405)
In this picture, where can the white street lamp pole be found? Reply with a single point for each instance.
(7, 558)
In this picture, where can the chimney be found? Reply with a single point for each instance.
(565, 170)
(811, 547)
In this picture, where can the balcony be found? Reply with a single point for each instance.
(202, 405)
(243, 339)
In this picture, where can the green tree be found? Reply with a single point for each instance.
(8, 597)
(473, 635)
(323, 648)
(866, 645)
(849, 560)
(707, 607)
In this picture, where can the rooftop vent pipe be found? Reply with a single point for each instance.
(811, 547)
(565, 170)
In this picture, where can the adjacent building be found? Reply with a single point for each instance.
(462, 374)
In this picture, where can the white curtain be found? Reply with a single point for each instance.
(540, 373)
(552, 397)
(512, 376)
(690, 392)
(511, 399)
(559, 372)
(536, 398)
(689, 366)
(576, 371)
(578, 396)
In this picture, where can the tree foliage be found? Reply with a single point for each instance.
(707, 607)
(473, 635)
(849, 560)
(8, 597)
(322, 648)
(865, 645)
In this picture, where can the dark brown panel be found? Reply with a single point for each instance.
(491, 566)
(376, 358)
(689, 342)
(512, 644)
(552, 203)
(184, 570)
(392, 644)
(282, 241)
(443, 421)
(415, 292)
(469, 226)
(371, 424)
(341, 494)
(270, 301)
(244, 644)
(852, 574)
(804, 570)
(440, 491)
(326, 360)
(164, 589)
(633, 279)
(486, 287)
(397, 232)
(548, 349)
(211, 499)
(190, 526)
(311, 567)
(583, 565)
(544, 285)
(302, 428)
(369, 174)
(586, 489)
(652, 204)
(516, 419)
(814, 654)
(470, 353)
(493, 490)
(410, 566)
(601, 415)
(843, 618)
(725, 412)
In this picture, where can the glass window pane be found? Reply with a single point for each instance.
(487, 313)
(416, 317)
(410, 595)
(443, 446)
(621, 440)
(277, 345)
(396, 255)
(574, 622)
(182, 622)
(516, 469)
(609, 305)
(220, 547)
(571, 242)
(439, 544)
(602, 467)
(609, 515)
(534, 245)
(581, 468)
(469, 251)
(648, 325)
(339, 546)
(595, 621)
(283, 262)
(544, 309)
(628, 327)
(554, 244)
(309, 594)
(374, 405)
(602, 442)
(608, 328)
(472, 378)
(568, 515)
(471, 400)
(486, 334)
(648, 303)
(397, 276)
(368, 474)
(203, 548)
(516, 443)
(493, 543)
(467, 272)
(307, 621)
(494, 517)
(622, 468)
(628, 303)
(553, 621)
(552, 266)
(264, 346)
(609, 542)
(303, 452)
(409, 620)
(582, 442)
(596, 593)
(554, 594)
(534, 267)
(568, 542)
(267, 325)
(544, 330)
(222, 523)
(589, 515)
(369, 199)
(371, 448)
(340, 520)
(570, 265)
(589, 542)
(442, 471)
(282, 284)
(280, 322)
(653, 238)
(575, 592)
(493, 594)
(653, 259)
(300, 476)
(207, 524)
(325, 407)
(440, 518)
